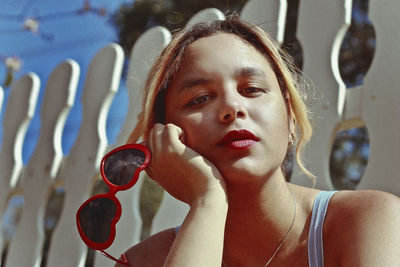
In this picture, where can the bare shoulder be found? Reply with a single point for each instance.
(366, 205)
(152, 251)
(366, 202)
(365, 226)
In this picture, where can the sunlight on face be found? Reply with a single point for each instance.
(224, 85)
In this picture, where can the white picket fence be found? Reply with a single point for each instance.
(321, 28)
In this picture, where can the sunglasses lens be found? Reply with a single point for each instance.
(95, 219)
(120, 166)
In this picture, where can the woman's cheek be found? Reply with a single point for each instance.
(192, 126)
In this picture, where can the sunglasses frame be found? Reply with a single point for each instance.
(113, 189)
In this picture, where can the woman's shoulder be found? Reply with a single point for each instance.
(152, 251)
(365, 205)
(365, 198)
(364, 222)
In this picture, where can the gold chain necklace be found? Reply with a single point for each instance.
(287, 233)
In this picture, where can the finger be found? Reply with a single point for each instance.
(173, 135)
(176, 128)
(181, 134)
(176, 132)
(158, 134)
(153, 136)
(152, 144)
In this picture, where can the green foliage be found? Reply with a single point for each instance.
(135, 18)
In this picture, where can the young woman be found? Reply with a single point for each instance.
(221, 112)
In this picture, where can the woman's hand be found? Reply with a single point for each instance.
(180, 170)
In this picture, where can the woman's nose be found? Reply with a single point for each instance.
(231, 107)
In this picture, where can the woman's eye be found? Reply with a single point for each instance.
(253, 91)
(198, 100)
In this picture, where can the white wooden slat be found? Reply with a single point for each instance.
(142, 57)
(43, 166)
(19, 111)
(81, 165)
(206, 15)
(321, 29)
(144, 52)
(341, 94)
(381, 98)
(268, 15)
(352, 117)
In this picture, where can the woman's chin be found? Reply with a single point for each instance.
(242, 175)
(245, 171)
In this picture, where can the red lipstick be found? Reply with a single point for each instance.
(240, 139)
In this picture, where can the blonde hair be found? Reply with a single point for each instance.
(168, 63)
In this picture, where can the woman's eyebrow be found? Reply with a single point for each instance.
(241, 72)
(193, 82)
(250, 71)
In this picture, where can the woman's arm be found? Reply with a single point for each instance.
(191, 178)
(200, 239)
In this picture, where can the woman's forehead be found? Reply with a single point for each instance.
(223, 53)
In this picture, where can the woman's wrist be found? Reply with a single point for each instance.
(211, 201)
(202, 232)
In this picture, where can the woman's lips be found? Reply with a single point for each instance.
(240, 139)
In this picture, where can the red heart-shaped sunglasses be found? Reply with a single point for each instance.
(97, 217)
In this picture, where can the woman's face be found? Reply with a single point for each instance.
(227, 100)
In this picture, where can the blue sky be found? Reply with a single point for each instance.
(62, 34)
